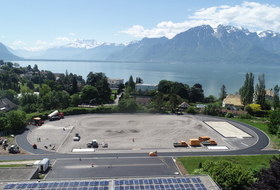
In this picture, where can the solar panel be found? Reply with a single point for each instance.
(76, 184)
(10, 186)
(146, 181)
(82, 183)
(194, 180)
(141, 181)
(164, 181)
(188, 180)
(198, 180)
(150, 181)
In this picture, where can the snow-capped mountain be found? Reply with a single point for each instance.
(201, 44)
(79, 43)
(205, 44)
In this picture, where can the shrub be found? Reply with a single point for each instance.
(191, 110)
(245, 116)
(229, 115)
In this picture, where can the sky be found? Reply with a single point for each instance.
(36, 25)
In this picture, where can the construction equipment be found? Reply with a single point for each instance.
(209, 142)
(13, 149)
(37, 121)
(153, 153)
(93, 144)
(104, 145)
(180, 144)
(194, 142)
(77, 137)
(204, 138)
(56, 115)
(34, 146)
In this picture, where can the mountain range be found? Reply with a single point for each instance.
(201, 44)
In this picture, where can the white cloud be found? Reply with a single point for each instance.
(65, 39)
(2, 36)
(41, 42)
(18, 42)
(251, 15)
(39, 48)
(72, 34)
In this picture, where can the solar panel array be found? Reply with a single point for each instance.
(161, 184)
(72, 185)
(133, 184)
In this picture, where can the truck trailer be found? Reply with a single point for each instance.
(56, 115)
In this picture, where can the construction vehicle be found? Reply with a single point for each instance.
(37, 121)
(153, 153)
(77, 137)
(34, 146)
(13, 149)
(180, 144)
(204, 138)
(194, 142)
(209, 142)
(56, 115)
(93, 144)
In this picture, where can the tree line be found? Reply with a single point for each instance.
(60, 91)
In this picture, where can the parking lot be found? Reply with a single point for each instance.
(124, 132)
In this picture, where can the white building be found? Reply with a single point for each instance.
(114, 83)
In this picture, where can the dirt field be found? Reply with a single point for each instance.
(119, 130)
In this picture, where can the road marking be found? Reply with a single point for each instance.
(244, 144)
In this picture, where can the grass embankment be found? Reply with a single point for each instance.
(254, 163)
(262, 125)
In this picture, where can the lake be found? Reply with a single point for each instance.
(211, 77)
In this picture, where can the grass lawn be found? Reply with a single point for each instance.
(13, 166)
(248, 162)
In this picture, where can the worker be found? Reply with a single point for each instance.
(132, 139)
(92, 164)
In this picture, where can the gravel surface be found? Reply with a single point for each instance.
(118, 130)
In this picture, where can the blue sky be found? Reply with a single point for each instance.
(34, 25)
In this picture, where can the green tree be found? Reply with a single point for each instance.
(131, 84)
(158, 100)
(276, 102)
(88, 93)
(274, 121)
(165, 86)
(228, 174)
(260, 91)
(75, 100)
(196, 93)
(173, 103)
(127, 105)
(16, 121)
(223, 93)
(247, 90)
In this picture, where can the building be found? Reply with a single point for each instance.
(114, 83)
(184, 105)
(143, 100)
(145, 87)
(6, 105)
(233, 102)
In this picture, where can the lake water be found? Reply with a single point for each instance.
(211, 77)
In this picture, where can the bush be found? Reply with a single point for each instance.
(191, 110)
(229, 115)
(152, 110)
(245, 116)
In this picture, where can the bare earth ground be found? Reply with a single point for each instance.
(118, 130)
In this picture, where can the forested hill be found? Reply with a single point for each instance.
(6, 54)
